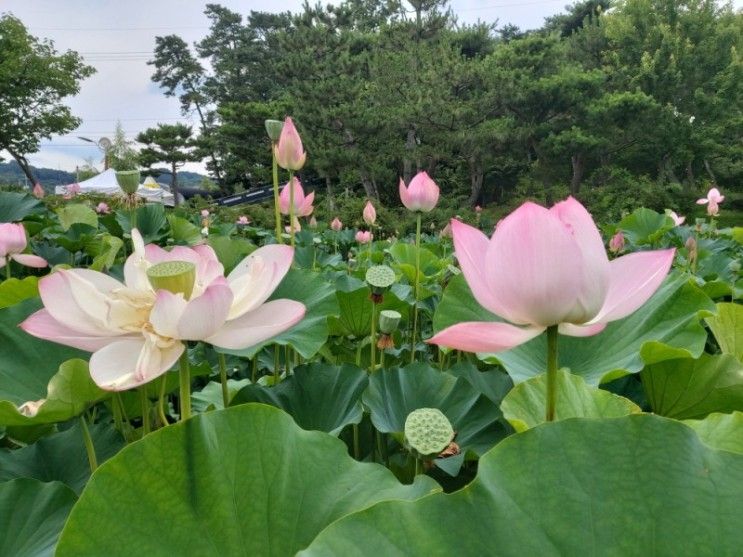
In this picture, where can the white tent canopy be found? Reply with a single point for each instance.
(105, 183)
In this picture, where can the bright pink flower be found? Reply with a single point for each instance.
(364, 236)
(102, 208)
(12, 244)
(677, 220)
(616, 244)
(38, 191)
(302, 204)
(421, 195)
(545, 267)
(336, 225)
(136, 332)
(712, 201)
(72, 190)
(289, 151)
(243, 220)
(369, 214)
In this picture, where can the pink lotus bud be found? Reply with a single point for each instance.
(336, 225)
(421, 195)
(616, 244)
(204, 213)
(102, 208)
(370, 214)
(364, 236)
(243, 220)
(289, 152)
(38, 191)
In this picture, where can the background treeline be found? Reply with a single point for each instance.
(620, 103)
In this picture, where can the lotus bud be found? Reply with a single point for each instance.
(364, 236)
(313, 222)
(691, 249)
(243, 220)
(336, 225)
(369, 214)
(177, 277)
(204, 213)
(389, 320)
(102, 208)
(289, 151)
(38, 191)
(421, 195)
(273, 129)
(616, 244)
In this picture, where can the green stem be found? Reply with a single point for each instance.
(291, 207)
(185, 386)
(358, 354)
(373, 338)
(7, 268)
(254, 371)
(551, 372)
(417, 282)
(89, 447)
(418, 466)
(277, 214)
(356, 444)
(276, 375)
(223, 379)
(161, 401)
(145, 404)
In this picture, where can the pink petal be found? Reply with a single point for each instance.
(634, 279)
(580, 330)
(280, 255)
(12, 238)
(484, 336)
(269, 320)
(702, 201)
(203, 316)
(595, 268)
(42, 325)
(535, 265)
(404, 195)
(166, 313)
(306, 208)
(127, 364)
(30, 260)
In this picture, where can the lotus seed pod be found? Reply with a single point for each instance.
(177, 277)
(273, 129)
(389, 320)
(428, 431)
(380, 276)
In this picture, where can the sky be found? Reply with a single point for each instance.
(117, 37)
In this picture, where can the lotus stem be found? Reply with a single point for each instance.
(7, 268)
(277, 213)
(356, 445)
(551, 372)
(145, 410)
(291, 208)
(276, 376)
(89, 447)
(185, 386)
(373, 338)
(161, 401)
(417, 282)
(223, 379)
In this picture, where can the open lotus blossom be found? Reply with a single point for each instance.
(336, 224)
(13, 242)
(38, 191)
(421, 195)
(369, 214)
(616, 244)
(102, 208)
(546, 267)
(364, 236)
(289, 151)
(677, 220)
(242, 220)
(136, 329)
(712, 201)
(302, 204)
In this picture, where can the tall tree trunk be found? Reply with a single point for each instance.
(579, 168)
(174, 184)
(25, 167)
(368, 183)
(689, 176)
(476, 179)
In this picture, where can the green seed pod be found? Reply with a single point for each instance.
(177, 277)
(389, 320)
(273, 129)
(428, 432)
(380, 277)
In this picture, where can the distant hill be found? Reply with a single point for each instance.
(11, 173)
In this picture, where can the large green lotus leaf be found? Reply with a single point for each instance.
(493, 383)
(27, 363)
(721, 431)
(318, 396)
(13, 291)
(666, 327)
(77, 213)
(183, 231)
(308, 336)
(524, 407)
(15, 206)
(61, 456)
(645, 226)
(150, 221)
(727, 326)
(241, 481)
(356, 311)
(32, 514)
(104, 250)
(394, 393)
(691, 389)
(637, 485)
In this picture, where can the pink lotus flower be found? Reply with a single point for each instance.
(543, 268)
(364, 236)
(72, 190)
(243, 220)
(712, 201)
(302, 204)
(421, 195)
(289, 151)
(136, 331)
(204, 213)
(102, 208)
(38, 191)
(336, 225)
(616, 244)
(677, 220)
(369, 214)
(13, 242)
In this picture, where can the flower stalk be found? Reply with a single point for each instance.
(416, 286)
(223, 379)
(277, 214)
(89, 447)
(551, 372)
(185, 386)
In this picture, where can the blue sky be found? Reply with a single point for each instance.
(118, 37)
